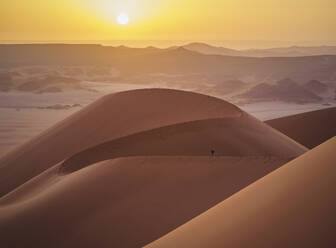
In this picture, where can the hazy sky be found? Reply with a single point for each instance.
(199, 20)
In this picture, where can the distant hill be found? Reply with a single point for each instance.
(211, 50)
(66, 54)
(5, 82)
(316, 87)
(171, 61)
(181, 61)
(294, 51)
(285, 90)
(49, 84)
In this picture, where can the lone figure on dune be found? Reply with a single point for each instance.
(212, 152)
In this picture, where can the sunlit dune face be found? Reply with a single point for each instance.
(122, 19)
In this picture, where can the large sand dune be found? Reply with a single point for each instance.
(291, 207)
(111, 117)
(131, 168)
(309, 129)
(227, 137)
(124, 202)
(127, 121)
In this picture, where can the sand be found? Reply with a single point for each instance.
(291, 207)
(132, 167)
(309, 129)
(227, 137)
(124, 114)
(124, 202)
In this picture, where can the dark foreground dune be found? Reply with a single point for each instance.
(131, 168)
(124, 202)
(291, 207)
(309, 129)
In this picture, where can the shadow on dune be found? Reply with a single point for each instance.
(136, 165)
(227, 137)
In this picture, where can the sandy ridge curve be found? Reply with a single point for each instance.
(113, 116)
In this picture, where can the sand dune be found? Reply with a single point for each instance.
(131, 168)
(291, 207)
(227, 137)
(124, 202)
(132, 112)
(111, 117)
(309, 129)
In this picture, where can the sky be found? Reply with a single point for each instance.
(265, 21)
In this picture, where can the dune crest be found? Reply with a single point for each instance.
(226, 136)
(130, 113)
(111, 117)
(132, 167)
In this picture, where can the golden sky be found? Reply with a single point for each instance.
(197, 20)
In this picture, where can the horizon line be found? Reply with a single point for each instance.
(186, 42)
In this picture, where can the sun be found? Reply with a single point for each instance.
(123, 19)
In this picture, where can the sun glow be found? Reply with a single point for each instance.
(123, 19)
(239, 21)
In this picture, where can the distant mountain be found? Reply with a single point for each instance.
(316, 87)
(49, 84)
(294, 51)
(247, 69)
(131, 61)
(66, 54)
(211, 50)
(5, 82)
(285, 90)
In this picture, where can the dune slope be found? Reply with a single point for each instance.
(122, 115)
(309, 129)
(291, 207)
(124, 202)
(111, 117)
(131, 168)
(227, 137)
